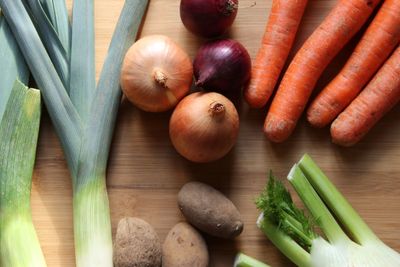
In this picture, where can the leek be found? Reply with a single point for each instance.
(85, 133)
(19, 127)
(295, 235)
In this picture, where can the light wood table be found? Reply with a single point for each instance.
(145, 173)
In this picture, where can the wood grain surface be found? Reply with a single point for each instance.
(145, 173)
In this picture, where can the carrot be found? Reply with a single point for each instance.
(380, 95)
(380, 39)
(278, 39)
(346, 18)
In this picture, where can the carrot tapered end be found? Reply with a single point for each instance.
(278, 129)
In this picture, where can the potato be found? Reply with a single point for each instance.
(184, 247)
(209, 210)
(136, 244)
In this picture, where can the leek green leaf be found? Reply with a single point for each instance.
(12, 64)
(19, 128)
(58, 53)
(82, 68)
(57, 12)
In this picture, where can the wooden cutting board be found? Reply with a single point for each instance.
(145, 173)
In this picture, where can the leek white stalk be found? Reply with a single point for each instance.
(85, 132)
(19, 128)
(293, 233)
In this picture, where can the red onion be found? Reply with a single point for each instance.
(223, 66)
(208, 18)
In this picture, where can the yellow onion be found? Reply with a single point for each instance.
(156, 73)
(204, 126)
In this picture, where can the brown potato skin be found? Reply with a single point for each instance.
(136, 244)
(209, 210)
(184, 247)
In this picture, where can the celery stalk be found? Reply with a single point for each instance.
(336, 202)
(310, 198)
(243, 260)
(19, 128)
(284, 242)
(282, 222)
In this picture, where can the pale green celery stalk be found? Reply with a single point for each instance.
(336, 202)
(91, 209)
(82, 68)
(19, 128)
(12, 64)
(312, 185)
(66, 120)
(283, 242)
(58, 53)
(314, 204)
(243, 260)
(57, 12)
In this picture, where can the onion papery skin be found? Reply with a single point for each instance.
(222, 66)
(156, 73)
(204, 127)
(208, 18)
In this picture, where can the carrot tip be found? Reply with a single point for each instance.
(315, 119)
(254, 101)
(342, 137)
(278, 130)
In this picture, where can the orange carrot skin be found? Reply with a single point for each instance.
(378, 42)
(280, 32)
(345, 19)
(380, 95)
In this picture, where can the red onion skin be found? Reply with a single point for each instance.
(208, 18)
(222, 66)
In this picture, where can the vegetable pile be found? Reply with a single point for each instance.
(347, 240)
(299, 80)
(156, 75)
(310, 61)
